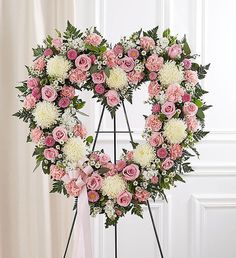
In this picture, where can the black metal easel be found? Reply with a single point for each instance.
(115, 147)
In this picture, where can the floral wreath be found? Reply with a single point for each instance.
(52, 108)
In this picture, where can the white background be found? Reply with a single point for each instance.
(199, 220)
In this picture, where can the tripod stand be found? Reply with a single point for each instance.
(114, 132)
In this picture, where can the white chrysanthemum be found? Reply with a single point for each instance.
(144, 154)
(112, 186)
(170, 73)
(45, 114)
(74, 149)
(117, 79)
(175, 130)
(58, 67)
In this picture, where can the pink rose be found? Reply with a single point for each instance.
(156, 139)
(133, 53)
(147, 42)
(124, 199)
(176, 151)
(187, 63)
(77, 76)
(118, 50)
(131, 172)
(49, 141)
(68, 91)
(167, 164)
(190, 109)
(113, 98)
(168, 109)
(191, 77)
(186, 97)
(127, 64)
(129, 155)
(99, 77)
(104, 158)
(154, 63)
(93, 39)
(156, 108)
(99, 89)
(56, 172)
(110, 57)
(162, 153)
(50, 153)
(152, 76)
(29, 101)
(153, 89)
(80, 131)
(153, 123)
(64, 102)
(36, 134)
(174, 92)
(72, 188)
(118, 212)
(93, 196)
(83, 62)
(72, 54)
(135, 77)
(154, 180)
(49, 93)
(93, 58)
(59, 134)
(112, 169)
(48, 52)
(57, 43)
(94, 182)
(32, 83)
(39, 64)
(36, 92)
(192, 123)
(174, 51)
(142, 195)
(120, 165)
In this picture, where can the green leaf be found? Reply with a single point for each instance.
(89, 139)
(179, 178)
(186, 48)
(198, 102)
(107, 71)
(197, 136)
(37, 165)
(166, 33)
(200, 114)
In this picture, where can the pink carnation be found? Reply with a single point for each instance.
(176, 151)
(57, 42)
(135, 77)
(94, 182)
(93, 39)
(187, 64)
(127, 64)
(142, 195)
(77, 76)
(99, 77)
(156, 108)
(153, 89)
(50, 153)
(49, 141)
(72, 54)
(36, 134)
(113, 98)
(162, 153)
(186, 97)
(174, 51)
(167, 164)
(59, 134)
(104, 158)
(83, 62)
(80, 131)
(154, 63)
(68, 91)
(32, 83)
(147, 42)
(99, 89)
(131, 172)
(133, 53)
(93, 196)
(190, 109)
(124, 199)
(49, 93)
(152, 76)
(48, 52)
(156, 139)
(39, 64)
(192, 123)
(191, 77)
(36, 92)
(72, 188)
(29, 101)
(118, 50)
(120, 165)
(56, 172)
(110, 57)
(174, 92)
(168, 109)
(64, 102)
(153, 123)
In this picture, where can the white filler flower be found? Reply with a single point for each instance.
(144, 154)
(58, 67)
(170, 73)
(117, 79)
(175, 130)
(74, 149)
(45, 114)
(112, 186)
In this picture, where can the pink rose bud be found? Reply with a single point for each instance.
(50, 153)
(154, 180)
(190, 109)
(83, 62)
(72, 54)
(156, 108)
(174, 51)
(124, 199)
(36, 92)
(32, 83)
(113, 98)
(187, 64)
(104, 158)
(59, 133)
(99, 88)
(57, 42)
(92, 58)
(118, 49)
(168, 109)
(167, 164)
(162, 153)
(131, 172)
(186, 97)
(152, 76)
(120, 165)
(94, 182)
(49, 93)
(49, 141)
(48, 52)
(64, 102)
(99, 77)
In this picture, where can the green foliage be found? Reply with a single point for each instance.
(152, 33)
(58, 187)
(199, 92)
(166, 33)
(179, 178)
(38, 51)
(23, 114)
(72, 32)
(137, 210)
(22, 87)
(186, 48)
(199, 135)
(89, 139)
(187, 167)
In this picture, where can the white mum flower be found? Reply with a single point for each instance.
(112, 186)
(175, 130)
(45, 114)
(117, 79)
(144, 154)
(58, 67)
(74, 149)
(170, 73)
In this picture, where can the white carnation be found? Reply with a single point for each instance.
(144, 154)
(117, 79)
(112, 186)
(74, 149)
(170, 73)
(45, 114)
(58, 67)
(175, 130)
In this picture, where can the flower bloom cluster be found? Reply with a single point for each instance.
(84, 61)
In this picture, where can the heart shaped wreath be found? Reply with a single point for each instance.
(84, 61)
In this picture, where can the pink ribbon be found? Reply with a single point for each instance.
(82, 231)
